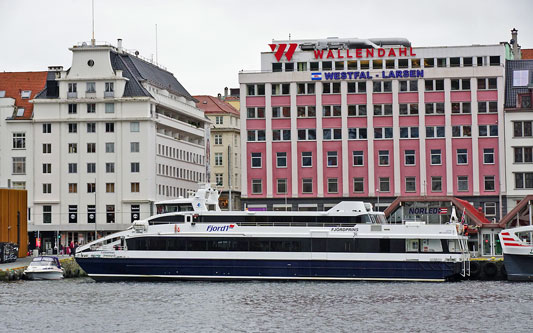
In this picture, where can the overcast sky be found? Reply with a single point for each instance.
(205, 43)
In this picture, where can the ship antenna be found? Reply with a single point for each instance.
(93, 42)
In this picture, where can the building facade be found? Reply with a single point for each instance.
(326, 120)
(225, 152)
(519, 130)
(107, 138)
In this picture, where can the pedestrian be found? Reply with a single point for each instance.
(71, 247)
(75, 247)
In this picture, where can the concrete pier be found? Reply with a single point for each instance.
(15, 270)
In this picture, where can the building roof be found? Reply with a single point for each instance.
(518, 215)
(511, 91)
(14, 83)
(211, 104)
(527, 54)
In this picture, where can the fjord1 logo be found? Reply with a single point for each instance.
(281, 49)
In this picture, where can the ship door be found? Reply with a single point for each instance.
(319, 240)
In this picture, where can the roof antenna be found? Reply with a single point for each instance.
(93, 42)
(156, 60)
(289, 36)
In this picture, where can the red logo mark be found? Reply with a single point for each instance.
(231, 226)
(281, 49)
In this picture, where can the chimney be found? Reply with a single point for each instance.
(226, 93)
(514, 45)
(219, 96)
(119, 45)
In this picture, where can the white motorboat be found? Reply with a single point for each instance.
(518, 253)
(44, 268)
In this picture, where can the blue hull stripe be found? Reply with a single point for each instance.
(105, 268)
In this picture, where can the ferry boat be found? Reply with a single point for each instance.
(193, 240)
(517, 248)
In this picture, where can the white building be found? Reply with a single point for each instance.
(111, 135)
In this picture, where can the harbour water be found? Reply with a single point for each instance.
(81, 305)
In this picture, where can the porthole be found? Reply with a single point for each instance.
(90, 63)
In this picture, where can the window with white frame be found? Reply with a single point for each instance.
(91, 108)
(73, 168)
(331, 87)
(358, 158)
(490, 183)
(306, 111)
(436, 184)
(462, 131)
(281, 159)
(462, 156)
(434, 108)
(460, 84)
(47, 148)
(435, 132)
(134, 147)
(255, 89)
(135, 167)
(257, 186)
(408, 85)
(409, 132)
(47, 188)
(256, 160)
(332, 133)
(383, 133)
(281, 112)
(219, 120)
(523, 154)
(461, 107)
(489, 209)
(109, 147)
(358, 184)
(218, 139)
(357, 133)
(281, 135)
(357, 87)
(90, 87)
(436, 157)
(308, 134)
(307, 185)
(383, 157)
(109, 87)
(462, 183)
(72, 108)
(381, 86)
(332, 159)
(523, 180)
(329, 111)
(19, 140)
(410, 157)
(410, 184)
(281, 185)
(47, 168)
(256, 113)
(72, 88)
(488, 156)
(72, 148)
(488, 130)
(358, 110)
(256, 135)
(306, 88)
(487, 83)
(333, 185)
(219, 179)
(280, 89)
(218, 159)
(409, 109)
(47, 128)
(135, 126)
(110, 167)
(382, 109)
(434, 85)
(307, 159)
(522, 129)
(384, 184)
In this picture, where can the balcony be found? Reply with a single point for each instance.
(73, 94)
(109, 94)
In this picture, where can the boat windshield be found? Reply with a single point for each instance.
(172, 208)
(43, 263)
(379, 218)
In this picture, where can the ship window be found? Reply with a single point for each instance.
(431, 245)
(411, 245)
(453, 246)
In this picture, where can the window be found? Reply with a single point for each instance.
(435, 132)
(19, 140)
(91, 187)
(410, 184)
(357, 110)
(73, 168)
(109, 87)
(462, 156)
(47, 128)
(219, 120)
(72, 128)
(91, 127)
(522, 128)
(333, 186)
(110, 127)
(256, 135)
(410, 157)
(72, 88)
(47, 148)
(488, 156)
(461, 107)
(301, 66)
(384, 184)
(110, 213)
(523, 180)
(257, 186)
(307, 159)
(441, 62)
(306, 88)
(462, 131)
(460, 84)
(307, 185)
(357, 87)
(72, 108)
(358, 184)
(307, 134)
(25, 94)
(358, 158)
(109, 147)
(489, 183)
(332, 133)
(280, 89)
(91, 147)
(487, 84)
(455, 62)
(383, 133)
(19, 165)
(332, 158)
(382, 109)
(281, 135)
(135, 166)
(484, 107)
(256, 113)
(134, 147)
(408, 109)
(110, 167)
(494, 60)
(434, 108)
(47, 214)
(434, 85)
(357, 133)
(218, 139)
(326, 66)
(467, 61)
(331, 111)
(523, 154)
(218, 159)
(256, 160)
(382, 86)
(365, 64)
(110, 187)
(331, 88)
(72, 188)
(90, 87)
(488, 130)
(219, 179)
(408, 85)
(281, 112)
(281, 185)
(47, 188)
(436, 184)
(462, 183)
(306, 111)
(409, 132)
(276, 67)
(289, 67)
(135, 126)
(255, 89)
(281, 159)
(91, 108)
(47, 168)
(383, 157)
(91, 167)
(436, 157)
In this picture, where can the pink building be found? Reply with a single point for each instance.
(344, 119)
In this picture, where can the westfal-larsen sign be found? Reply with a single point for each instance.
(289, 49)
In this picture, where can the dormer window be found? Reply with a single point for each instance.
(25, 94)
(525, 101)
(20, 112)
